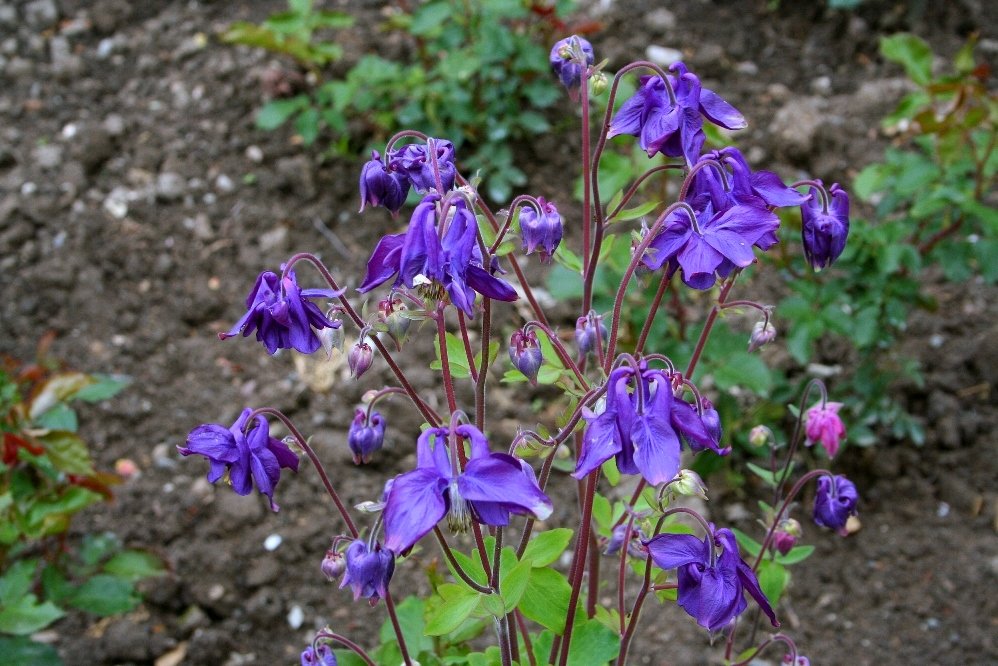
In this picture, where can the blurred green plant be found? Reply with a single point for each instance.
(47, 476)
(479, 76)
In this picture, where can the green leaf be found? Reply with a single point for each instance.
(104, 388)
(766, 475)
(545, 601)
(513, 584)
(637, 211)
(796, 554)
(457, 357)
(105, 595)
(748, 544)
(547, 546)
(134, 565)
(410, 613)
(26, 616)
(68, 452)
(911, 52)
(60, 417)
(57, 389)
(773, 579)
(45, 518)
(26, 652)
(16, 581)
(746, 370)
(274, 114)
(592, 644)
(429, 18)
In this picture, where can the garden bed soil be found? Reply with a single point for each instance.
(138, 203)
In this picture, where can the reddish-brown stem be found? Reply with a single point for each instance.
(303, 444)
(390, 605)
(344, 641)
(527, 645)
(581, 546)
(467, 346)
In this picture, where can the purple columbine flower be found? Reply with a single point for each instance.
(414, 161)
(368, 570)
(762, 189)
(641, 425)
(323, 656)
(242, 458)
(675, 130)
(617, 537)
(381, 187)
(282, 315)
(800, 661)
(825, 426)
(525, 353)
(366, 435)
(589, 331)
(491, 487)
(543, 231)
(712, 245)
(825, 227)
(421, 259)
(834, 502)
(711, 585)
(570, 58)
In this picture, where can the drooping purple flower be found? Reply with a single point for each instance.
(366, 435)
(800, 661)
(323, 656)
(570, 57)
(525, 353)
(368, 571)
(824, 425)
(491, 487)
(641, 425)
(541, 231)
(617, 537)
(242, 458)
(834, 502)
(589, 331)
(415, 162)
(763, 332)
(421, 259)
(712, 245)
(381, 187)
(283, 318)
(711, 585)
(673, 129)
(824, 229)
(761, 189)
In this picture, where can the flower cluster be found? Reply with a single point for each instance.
(387, 182)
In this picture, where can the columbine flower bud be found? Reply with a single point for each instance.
(760, 436)
(825, 426)
(360, 358)
(332, 338)
(570, 58)
(598, 83)
(786, 535)
(541, 231)
(393, 311)
(366, 435)
(525, 353)
(333, 565)
(689, 484)
(825, 226)
(762, 334)
(586, 330)
(381, 187)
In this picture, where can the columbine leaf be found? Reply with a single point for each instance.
(547, 546)
(27, 616)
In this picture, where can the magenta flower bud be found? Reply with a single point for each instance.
(786, 535)
(825, 226)
(762, 334)
(570, 58)
(586, 331)
(323, 656)
(825, 426)
(366, 435)
(360, 358)
(381, 187)
(333, 565)
(525, 353)
(542, 231)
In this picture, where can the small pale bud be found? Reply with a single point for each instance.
(333, 565)
(331, 338)
(689, 484)
(760, 436)
(360, 358)
(762, 334)
(598, 83)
